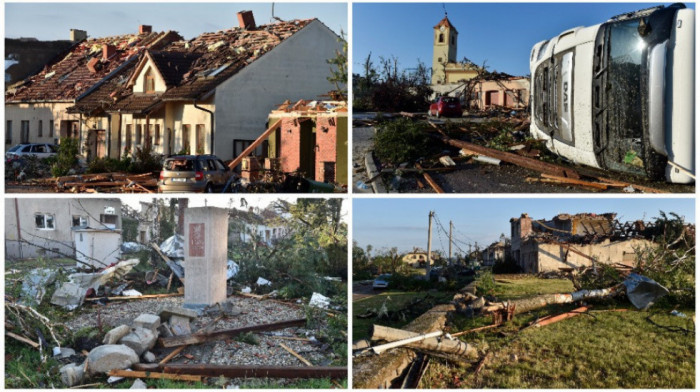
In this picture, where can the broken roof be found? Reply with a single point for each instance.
(84, 67)
(445, 22)
(308, 108)
(192, 69)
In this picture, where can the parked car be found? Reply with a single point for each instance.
(446, 106)
(39, 150)
(381, 282)
(194, 173)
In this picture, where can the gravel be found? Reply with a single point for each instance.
(226, 352)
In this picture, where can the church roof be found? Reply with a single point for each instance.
(445, 22)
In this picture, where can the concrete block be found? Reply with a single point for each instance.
(140, 340)
(72, 374)
(206, 234)
(138, 384)
(148, 321)
(149, 357)
(102, 359)
(170, 311)
(115, 334)
(180, 325)
(164, 331)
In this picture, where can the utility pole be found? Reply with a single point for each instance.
(450, 257)
(430, 243)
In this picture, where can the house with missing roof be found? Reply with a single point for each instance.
(572, 241)
(211, 94)
(37, 108)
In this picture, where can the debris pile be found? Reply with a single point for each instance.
(104, 182)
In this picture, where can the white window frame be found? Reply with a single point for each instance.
(45, 220)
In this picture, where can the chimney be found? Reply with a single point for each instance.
(145, 29)
(91, 65)
(108, 51)
(246, 20)
(77, 35)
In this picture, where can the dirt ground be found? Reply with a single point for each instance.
(224, 352)
(486, 178)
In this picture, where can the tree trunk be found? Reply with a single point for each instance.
(380, 332)
(524, 305)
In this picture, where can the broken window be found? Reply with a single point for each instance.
(24, 132)
(186, 137)
(137, 138)
(199, 130)
(44, 221)
(109, 220)
(150, 82)
(156, 134)
(79, 221)
(128, 137)
(8, 132)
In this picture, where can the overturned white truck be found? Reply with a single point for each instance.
(621, 95)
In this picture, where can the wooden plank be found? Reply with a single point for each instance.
(179, 349)
(136, 297)
(228, 333)
(255, 144)
(430, 180)
(22, 339)
(296, 355)
(240, 371)
(573, 181)
(165, 376)
(563, 316)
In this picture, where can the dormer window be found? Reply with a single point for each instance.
(149, 82)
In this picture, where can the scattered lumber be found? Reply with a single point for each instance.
(237, 161)
(146, 374)
(296, 355)
(380, 332)
(22, 339)
(228, 333)
(181, 348)
(563, 316)
(474, 330)
(550, 179)
(528, 163)
(430, 180)
(241, 371)
(145, 296)
(177, 270)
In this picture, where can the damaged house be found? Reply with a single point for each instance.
(83, 228)
(495, 252)
(245, 225)
(213, 93)
(36, 109)
(479, 89)
(572, 241)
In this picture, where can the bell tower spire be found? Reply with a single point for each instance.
(444, 49)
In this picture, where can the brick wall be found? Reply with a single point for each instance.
(326, 140)
(290, 145)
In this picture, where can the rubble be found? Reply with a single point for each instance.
(105, 358)
(138, 384)
(34, 285)
(114, 335)
(148, 321)
(139, 339)
(319, 301)
(72, 374)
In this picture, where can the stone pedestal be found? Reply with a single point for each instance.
(206, 237)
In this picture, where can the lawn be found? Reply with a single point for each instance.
(602, 349)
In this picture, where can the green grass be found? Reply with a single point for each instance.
(398, 300)
(311, 383)
(600, 350)
(24, 369)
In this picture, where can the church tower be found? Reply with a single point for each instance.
(444, 49)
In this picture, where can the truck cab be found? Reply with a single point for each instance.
(620, 95)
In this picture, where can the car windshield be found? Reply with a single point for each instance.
(15, 148)
(179, 165)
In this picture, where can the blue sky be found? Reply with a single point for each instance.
(53, 21)
(385, 223)
(500, 33)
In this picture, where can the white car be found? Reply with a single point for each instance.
(39, 150)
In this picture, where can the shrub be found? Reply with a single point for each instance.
(402, 141)
(67, 157)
